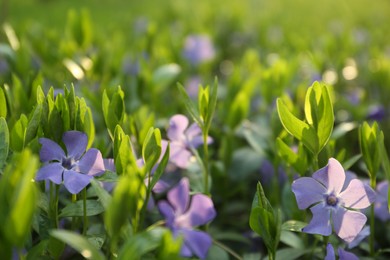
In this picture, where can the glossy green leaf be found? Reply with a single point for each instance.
(76, 209)
(165, 74)
(299, 129)
(239, 109)
(17, 135)
(104, 197)
(293, 225)
(190, 106)
(160, 168)
(79, 243)
(33, 123)
(151, 149)
(123, 151)
(4, 142)
(369, 146)
(3, 104)
(319, 112)
(113, 109)
(19, 196)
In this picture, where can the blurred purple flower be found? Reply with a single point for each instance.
(381, 206)
(198, 49)
(343, 255)
(376, 112)
(192, 86)
(183, 139)
(183, 213)
(330, 203)
(75, 168)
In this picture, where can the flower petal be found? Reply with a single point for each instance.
(91, 163)
(74, 182)
(360, 237)
(51, 171)
(330, 252)
(320, 223)
(179, 196)
(308, 191)
(357, 195)
(177, 125)
(109, 164)
(344, 255)
(167, 211)
(200, 212)
(347, 223)
(50, 151)
(76, 143)
(332, 176)
(179, 156)
(199, 242)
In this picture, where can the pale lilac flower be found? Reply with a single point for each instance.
(76, 167)
(343, 255)
(381, 208)
(198, 49)
(183, 213)
(183, 139)
(329, 203)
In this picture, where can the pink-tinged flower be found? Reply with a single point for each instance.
(360, 237)
(198, 49)
(183, 139)
(343, 255)
(183, 213)
(381, 208)
(76, 167)
(331, 204)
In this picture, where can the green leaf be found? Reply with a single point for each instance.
(3, 104)
(19, 197)
(79, 243)
(165, 74)
(369, 146)
(114, 109)
(190, 106)
(17, 135)
(293, 225)
(123, 151)
(299, 129)
(291, 239)
(160, 168)
(4, 142)
(239, 109)
(33, 123)
(151, 149)
(319, 112)
(76, 209)
(104, 197)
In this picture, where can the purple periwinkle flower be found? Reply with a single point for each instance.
(343, 255)
(183, 139)
(330, 203)
(183, 213)
(198, 49)
(381, 208)
(76, 167)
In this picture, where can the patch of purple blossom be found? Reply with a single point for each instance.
(343, 255)
(183, 213)
(381, 208)
(183, 139)
(75, 167)
(198, 49)
(330, 203)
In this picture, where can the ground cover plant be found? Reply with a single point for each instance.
(238, 130)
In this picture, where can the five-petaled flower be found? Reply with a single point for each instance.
(183, 213)
(76, 167)
(183, 139)
(330, 203)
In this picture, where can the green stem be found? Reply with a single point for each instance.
(206, 162)
(85, 226)
(229, 250)
(74, 220)
(54, 194)
(141, 217)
